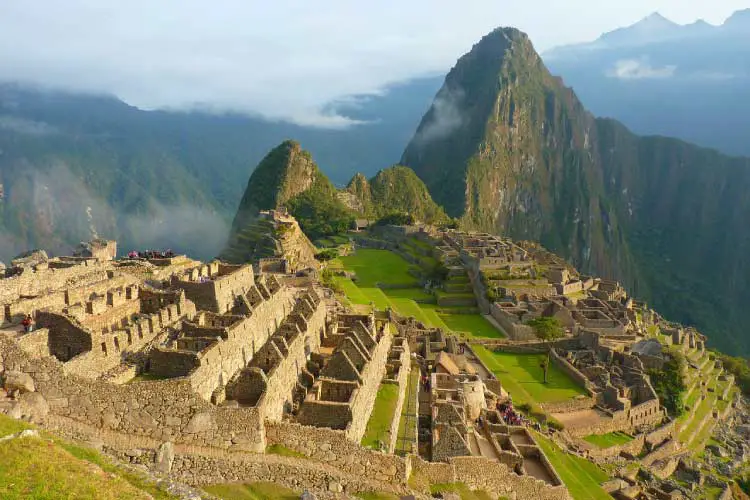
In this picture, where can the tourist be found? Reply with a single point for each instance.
(27, 323)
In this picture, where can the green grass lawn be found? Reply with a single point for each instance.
(582, 478)
(522, 376)
(407, 428)
(251, 491)
(384, 267)
(474, 324)
(608, 440)
(382, 415)
(378, 266)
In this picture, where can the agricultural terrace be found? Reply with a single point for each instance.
(581, 477)
(523, 377)
(383, 413)
(608, 440)
(385, 279)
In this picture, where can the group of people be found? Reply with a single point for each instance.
(151, 254)
(509, 415)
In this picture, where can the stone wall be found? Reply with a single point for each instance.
(633, 447)
(491, 476)
(219, 362)
(660, 434)
(282, 380)
(332, 447)
(45, 281)
(514, 329)
(665, 450)
(225, 283)
(402, 381)
(91, 353)
(572, 372)
(35, 343)
(364, 401)
(162, 410)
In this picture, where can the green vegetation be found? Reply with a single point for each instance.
(318, 210)
(669, 383)
(327, 254)
(280, 449)
(547, 328)
(395, 219)
(251, 491)
(396, 196)
(407, 426)
(383, 268)
(523, 377)
(608, 440)
(582, 478)
(740, 368)
(51, 468)
(378, 428)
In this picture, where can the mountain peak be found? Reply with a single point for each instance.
(740, 19)
(655, 19)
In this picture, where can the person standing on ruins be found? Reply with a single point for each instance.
(28, 323)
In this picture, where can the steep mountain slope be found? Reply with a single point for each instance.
(509, 149)
(657, 77)
(395, 189)
(286, 178)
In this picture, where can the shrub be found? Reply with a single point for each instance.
(547, 328)
(395, 219)
(327, 254)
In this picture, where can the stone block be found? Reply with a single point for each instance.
(201, 422)
(33, 406)
(164, 458)
(18, 381)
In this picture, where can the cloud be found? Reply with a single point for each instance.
(284, 59)
(24, 126)
(65, 211)
(446, 116)
(640, 69)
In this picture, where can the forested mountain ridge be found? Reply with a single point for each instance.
(163, 178)
(509, 149)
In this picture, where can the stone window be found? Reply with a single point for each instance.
(117, 345)
(130, 337)
(104, 348)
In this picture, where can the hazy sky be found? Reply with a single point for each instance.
(284, 58)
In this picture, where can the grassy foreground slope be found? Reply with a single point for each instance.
(41, 468)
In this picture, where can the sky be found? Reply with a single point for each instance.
(284, 59)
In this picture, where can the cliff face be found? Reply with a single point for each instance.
(509, 149)
(394, 189)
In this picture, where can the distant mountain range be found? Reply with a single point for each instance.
(662, 78)
(70, 164)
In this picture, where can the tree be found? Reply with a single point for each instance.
(547, 328)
